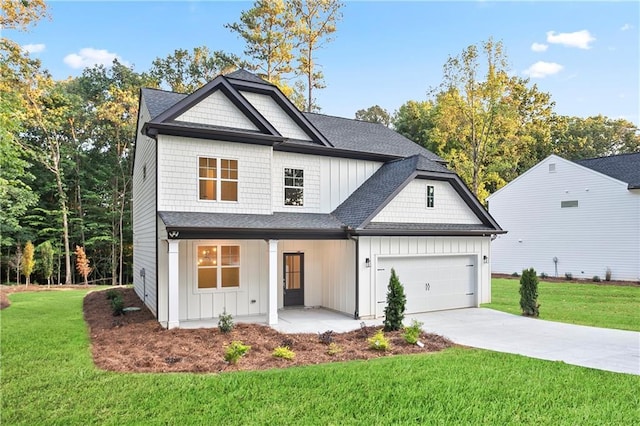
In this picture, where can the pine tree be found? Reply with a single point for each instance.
(396, 301)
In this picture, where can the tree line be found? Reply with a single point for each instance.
(66, 147)
(491, 126)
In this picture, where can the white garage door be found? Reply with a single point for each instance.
(430, 283)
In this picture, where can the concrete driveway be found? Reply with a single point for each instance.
(600, 348)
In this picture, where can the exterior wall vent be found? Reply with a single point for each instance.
(571, 203)
(552, 167)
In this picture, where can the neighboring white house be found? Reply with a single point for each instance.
(580, 218)
(243, 203)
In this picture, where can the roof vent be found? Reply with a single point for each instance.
(552, 167)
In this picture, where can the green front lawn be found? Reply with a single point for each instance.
(605, 306)
(48, 378)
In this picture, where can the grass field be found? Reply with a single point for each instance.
(586, 304)
(48, 378)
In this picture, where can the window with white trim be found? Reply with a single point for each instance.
(218, 266)
(217, 179)
(431, 194)
(293, 187)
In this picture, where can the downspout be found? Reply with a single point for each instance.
(356, 313)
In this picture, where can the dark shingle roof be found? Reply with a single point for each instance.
(283, 221)
(245, 75)
(624, 167)
(158, 101)
(374, 193)
(356, 135)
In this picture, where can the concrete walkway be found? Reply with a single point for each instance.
(600, 348)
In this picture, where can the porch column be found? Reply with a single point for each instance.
(272, 306)
(174, 276)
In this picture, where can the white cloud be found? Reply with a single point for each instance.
(542, 69)
(579, 39)
(88, 57)
(539, 47)
(626, 27)
(33, 48)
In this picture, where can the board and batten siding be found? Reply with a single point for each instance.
(374, 247)
(602, 232)
(410, 205)
(327, 181)
(178, 188)
(144, 215)
(217, 110)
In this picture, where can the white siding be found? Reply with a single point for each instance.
(340, 177)
(178, 175)
(217, 110)
(374, 247)
(410, 205)
(144, 216)
(274, 114)
(602, 232)
(249, 299)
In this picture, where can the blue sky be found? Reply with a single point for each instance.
(585, 54)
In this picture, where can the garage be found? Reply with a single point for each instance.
(431, 283)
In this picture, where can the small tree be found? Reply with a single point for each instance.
(46, 260)
(529, 293)
(396, 301)
(82, 264)
(28, 262)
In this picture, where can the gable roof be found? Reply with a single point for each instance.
(331, 135)
(623, 167)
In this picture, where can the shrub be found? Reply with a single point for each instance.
(326, 337)
(225, 322)
(596, 279)
(396, 301)
(412, 332)
(334, 349)
(283, 352)
(515, 274)
(607, 274)
(544, 275)
(112, 293)
(287, 342)
(529, 293)
(568, 276)
(117, 305)
(379, 342)
(235, 351)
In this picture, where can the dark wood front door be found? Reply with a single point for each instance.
(293, 279)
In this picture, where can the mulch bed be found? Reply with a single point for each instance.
(135, 342)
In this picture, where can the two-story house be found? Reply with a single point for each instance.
(243, 203)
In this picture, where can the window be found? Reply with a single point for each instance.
(144, 172)
(293, 187)
(218, 266)
(565, 204)
(430, 196)
(218, 179)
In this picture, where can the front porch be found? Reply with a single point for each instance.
(295, 320)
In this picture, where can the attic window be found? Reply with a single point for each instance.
(144, 172)
(430, 196)
(552, 167)
(571, 203)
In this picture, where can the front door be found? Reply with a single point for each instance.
(293, 279)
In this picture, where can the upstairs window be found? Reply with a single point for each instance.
(293, 187)
(430, 196)
(218, 179)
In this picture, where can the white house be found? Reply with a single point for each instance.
(580, 218)
(243, 203)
